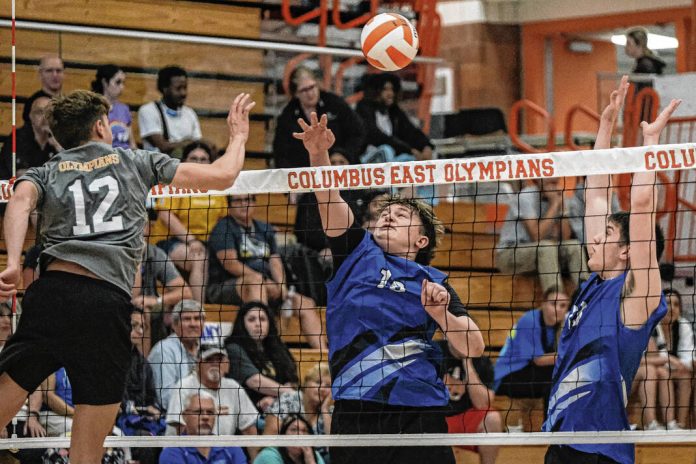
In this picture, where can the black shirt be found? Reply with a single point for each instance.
(29, 153)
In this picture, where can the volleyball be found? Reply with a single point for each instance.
(389, 42)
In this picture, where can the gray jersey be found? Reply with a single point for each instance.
(92, 207)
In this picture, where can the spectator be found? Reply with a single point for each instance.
(651, 377)
(199, 419)
(294, 424)
(169, 125)
(538, 236)
(469, 382)
(247, 266)
(51, 74)
(313, 401)
(525, 366)
(26, 424)
(388, 125)
(235, 409)
(637, 48)
(35, 142)
(288, 152)
(185, 223)
(157, 271)
(57, 415)
(110, 81)
(174, 358)
(259, 359)
(139, 414)
(674, 339)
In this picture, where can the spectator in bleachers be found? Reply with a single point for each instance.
(169, 125)
(307, 97)
(185, 223)
(51, 74)
(313, 401)
(175, 357)
(110, 81)
(35, 142)
(246, 266)
(199, 419)
(539, 236)
(139, 414)
(57, 414)
(294, 424)
(525, 365)
(259, 360)
(157, 271)
(652, 375)
(235, 409)
(27, 419)
(470, 382)
(391, 136)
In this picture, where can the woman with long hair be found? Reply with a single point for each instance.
(294, 424)
(259, 359)
(637, 48)
(110, 82)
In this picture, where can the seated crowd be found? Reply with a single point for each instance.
(190, 378)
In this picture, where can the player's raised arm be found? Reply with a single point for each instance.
(644, 287)
(222, 173)
(317, 138)
(598, 188)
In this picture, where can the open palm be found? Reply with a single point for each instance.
(316, 136)
(653, 130)
(616, 101)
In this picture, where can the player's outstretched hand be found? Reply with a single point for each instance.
(238, 117)
(316, 136)
(653, 130)
(9, 280)
(616, 101)
(435, 298)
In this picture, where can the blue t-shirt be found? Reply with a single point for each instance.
(598, 357)
(229, 455)
(381, 345)
(528, 339)
(63, 387)
(120, 121)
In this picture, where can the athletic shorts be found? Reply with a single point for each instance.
(467, 422)
(361, 417)
(76, 322)
(560, 454)
(223, 293)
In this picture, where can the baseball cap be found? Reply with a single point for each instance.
(209, 351)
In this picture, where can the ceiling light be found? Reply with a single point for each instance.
(655, 41)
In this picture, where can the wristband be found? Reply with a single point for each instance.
(34, 413)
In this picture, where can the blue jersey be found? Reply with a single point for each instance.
(598, 357)
(529, 339)
(380, 336)
(227, 455)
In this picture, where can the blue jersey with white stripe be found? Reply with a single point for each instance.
(598, 357)
(380, 336)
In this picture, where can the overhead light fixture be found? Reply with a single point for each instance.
(655, 41)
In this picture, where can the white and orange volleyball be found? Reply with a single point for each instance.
(389, 42)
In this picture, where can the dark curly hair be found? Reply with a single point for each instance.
(274, 350)
(72, 116)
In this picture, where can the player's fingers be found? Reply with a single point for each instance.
(298, 135)
(323, 121)
(249, 106)
(313, 120)
(424, 289)
(303, 125)
(241, 104)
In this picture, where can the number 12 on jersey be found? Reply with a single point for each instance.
(81, 227)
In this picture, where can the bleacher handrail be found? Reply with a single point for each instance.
(513, 126)
(579, 108)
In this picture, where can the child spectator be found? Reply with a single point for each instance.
(294, 424)
(110, 82)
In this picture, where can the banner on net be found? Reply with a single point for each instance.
(417, 173)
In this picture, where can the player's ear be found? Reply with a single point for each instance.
(422, 242)
(624, 252)
(99, 129)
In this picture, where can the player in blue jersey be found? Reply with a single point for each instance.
(614, 312)
(384, 305)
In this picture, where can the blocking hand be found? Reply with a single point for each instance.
(316, 136)
(651, 132)
(238, 117)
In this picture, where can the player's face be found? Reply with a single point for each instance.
(307, 92)
(51, 72)
(607, 250)
(673, 308)
(175, 94)
(555, 308)
(137, 329)
(113, 88)
(387, 95)
(199, 416)
(190, 325)
(398, 230)
(256, 324)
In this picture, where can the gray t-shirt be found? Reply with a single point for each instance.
(529, 203)
(156, 267)
(92, 207)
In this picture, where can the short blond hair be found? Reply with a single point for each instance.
(320, 371)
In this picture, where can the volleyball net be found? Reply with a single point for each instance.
(473, 198)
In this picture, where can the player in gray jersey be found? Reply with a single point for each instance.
(91, 203)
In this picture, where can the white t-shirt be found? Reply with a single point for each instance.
(181, 124)
(235, 409)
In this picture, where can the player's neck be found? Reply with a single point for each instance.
(611, 273)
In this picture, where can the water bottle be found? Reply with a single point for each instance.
(286, 308)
